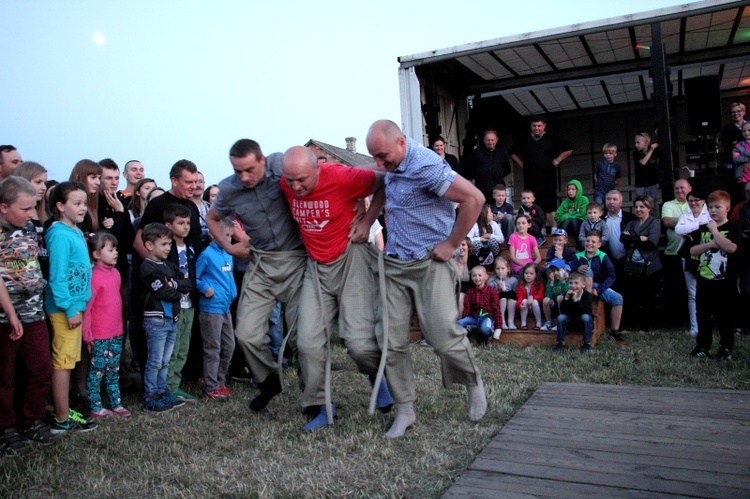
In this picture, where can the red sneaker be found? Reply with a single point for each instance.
(216, 394)
(226, 391)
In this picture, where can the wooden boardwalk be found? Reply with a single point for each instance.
(582, 440)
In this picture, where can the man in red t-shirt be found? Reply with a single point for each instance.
(322, 198)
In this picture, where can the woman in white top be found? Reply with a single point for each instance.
(686, 224)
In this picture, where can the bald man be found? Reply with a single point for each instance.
(675, 287)
(338, 280)
(423, 235)
(9, 161)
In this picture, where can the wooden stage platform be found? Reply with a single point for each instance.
(583, 440)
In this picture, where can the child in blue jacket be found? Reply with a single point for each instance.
(217, 289)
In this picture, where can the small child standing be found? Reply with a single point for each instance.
(715, 245)
(102, 329)
(534, 212)
(523, 247)
(164, 287)
(65, 297)
(646, 166)
(529, 295)
(24, 338)
(481, 311)
(576, 310)
(182, 255)
(594, 222)
(506, 285)
(502, 210)
(572, 211)
(557, 286)
(607, 173)
(217, 288)
(741, 157)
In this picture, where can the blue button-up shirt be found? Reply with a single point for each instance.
(417, 215)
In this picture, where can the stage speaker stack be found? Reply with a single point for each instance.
(703, 99)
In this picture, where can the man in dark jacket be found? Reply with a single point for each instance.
(487, 166)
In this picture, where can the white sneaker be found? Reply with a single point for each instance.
(496, 334)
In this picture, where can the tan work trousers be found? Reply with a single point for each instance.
(429, 287)
(346, 286)
(271, 276)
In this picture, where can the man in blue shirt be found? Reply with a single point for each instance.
(423, 235)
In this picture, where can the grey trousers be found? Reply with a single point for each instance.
(346, 286)
(271, 276)
(218, 346)
(427, 286)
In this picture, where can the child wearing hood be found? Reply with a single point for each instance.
(572, 211)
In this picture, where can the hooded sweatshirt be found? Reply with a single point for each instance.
(69, 286)
(572, 208)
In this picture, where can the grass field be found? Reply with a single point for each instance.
(212, 449)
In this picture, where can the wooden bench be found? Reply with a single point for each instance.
(530, 337)
(572, 339)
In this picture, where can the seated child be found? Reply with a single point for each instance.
(534, 212)
(529, 295)
(506, 285)
(502, 210)
(481, 311)
(572, 211)
(486, 237)
(597, 264)
(217, 289)
(576, 311)
(163, 290)
(607, 173)
(560, 249)
(102, 330)
(594, 221)
(557, 286)
(523, 247)
(24, 337)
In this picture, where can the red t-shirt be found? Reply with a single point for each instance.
(324, 215)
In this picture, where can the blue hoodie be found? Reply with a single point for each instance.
(69, 271)
(214, 270)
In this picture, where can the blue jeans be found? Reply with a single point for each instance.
(160, 338)
(651, 190)
(483, 323)
(586, 322)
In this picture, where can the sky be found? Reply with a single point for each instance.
(160, 81)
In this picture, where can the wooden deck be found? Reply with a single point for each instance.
(581, 440)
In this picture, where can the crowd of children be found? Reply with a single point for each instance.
(62, 291)
(565, 282)
(62, 280)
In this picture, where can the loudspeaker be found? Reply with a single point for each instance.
(703, 99)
